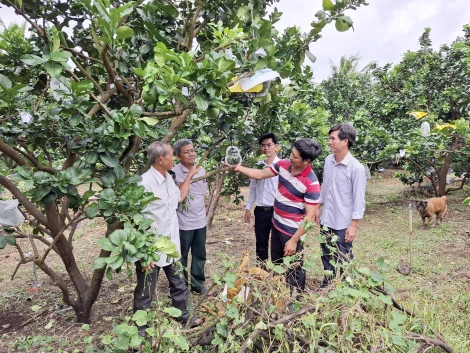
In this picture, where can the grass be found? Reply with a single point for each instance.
(438, 288)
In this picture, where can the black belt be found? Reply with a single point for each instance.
(265, 209)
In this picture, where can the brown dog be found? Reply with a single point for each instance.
(430, 207)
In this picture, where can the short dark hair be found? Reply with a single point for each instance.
(346, 131)
(180, 143)
(268, 135)
(308, 149)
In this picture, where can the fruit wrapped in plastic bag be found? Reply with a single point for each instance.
(232, 156)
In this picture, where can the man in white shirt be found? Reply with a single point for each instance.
(342, 199)
(262, 194)
(163, 211)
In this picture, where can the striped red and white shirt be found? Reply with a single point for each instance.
(293, 193)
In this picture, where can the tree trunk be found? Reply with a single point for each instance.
(220, 178)
(442, 175)
(84, 312)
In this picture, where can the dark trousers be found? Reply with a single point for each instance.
(263, 225)
(147, 282)
(196, 241)
(339, 253)
(295, 277)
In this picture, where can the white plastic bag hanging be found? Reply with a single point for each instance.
(10, 215)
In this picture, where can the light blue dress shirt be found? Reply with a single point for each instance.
(342, 192)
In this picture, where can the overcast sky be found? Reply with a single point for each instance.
(383, 31)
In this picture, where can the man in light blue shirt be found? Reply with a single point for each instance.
(262, 194)
(191, 216)
(342, 199)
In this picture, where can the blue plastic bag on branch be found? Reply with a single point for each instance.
(10, 215)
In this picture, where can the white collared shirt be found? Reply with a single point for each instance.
(342, 192)
(163, 211)
(263, 192)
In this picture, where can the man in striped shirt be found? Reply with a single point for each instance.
(296, 199)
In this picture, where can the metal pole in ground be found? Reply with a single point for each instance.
(410, 213)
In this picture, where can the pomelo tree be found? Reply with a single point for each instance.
(89, 83)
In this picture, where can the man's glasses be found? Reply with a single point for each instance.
(263, 145)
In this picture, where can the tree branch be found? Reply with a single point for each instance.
(462, 184)
(59, 234)
(35, 161)
(162, 115)
(189, 43)
(432, 342)
(59, 282)
(83, 56)
(11, 153)
(43, 240)
(107, 95)
(33, 211)
(26, 17)
(208, 175)
(176, 123)
(204, 157)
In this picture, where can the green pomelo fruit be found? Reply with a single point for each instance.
(213, 112)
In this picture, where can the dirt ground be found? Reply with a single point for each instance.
(40, 322)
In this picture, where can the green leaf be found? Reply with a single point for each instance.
(118, 237)
(108, 195)
(150, 121)
(225, 64)
(124, 32)
(107, 178)
(381, 264)
(55, 38)
(106, 244)
(201, 103)
(60, 56)
(109, 159)
(87, 195)
(232, 311)
(108, 212)
(4, 240)
(328, 5)
(343, 23)
(378, 278)
(114, 17)
(119, 172)
(173, 312)
(53, 69)
(100, 262)
(320, 14)
(109, 273)
(127, 9)
(39, 193)
(140, 317)
(385, 299)
(5, 81)
(136, 110)
(92, 210)
(117, 263)
(32, 60)
(49, 324)
(36, 308)
(91, 157)
(310, 56)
